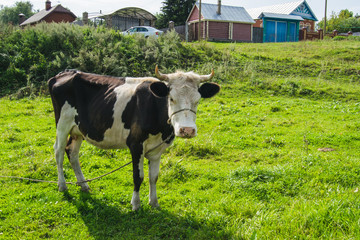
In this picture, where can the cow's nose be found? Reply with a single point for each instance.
(187, 132)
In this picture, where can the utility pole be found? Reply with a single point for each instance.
(325, 17)
(199, 33)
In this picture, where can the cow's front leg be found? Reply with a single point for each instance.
(154, 166)
(138, 173)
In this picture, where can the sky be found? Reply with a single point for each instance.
(153, 6)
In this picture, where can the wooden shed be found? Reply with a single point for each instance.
(280, 27)
(50, 14)
(220, 23)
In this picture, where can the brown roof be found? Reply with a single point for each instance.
(37, 17)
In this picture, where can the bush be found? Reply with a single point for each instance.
(34, 54)
(339, 38)
(354, 38)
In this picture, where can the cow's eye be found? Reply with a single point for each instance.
(172, 100)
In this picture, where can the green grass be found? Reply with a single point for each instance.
(253, 172)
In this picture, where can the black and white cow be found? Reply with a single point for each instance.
(143, 114)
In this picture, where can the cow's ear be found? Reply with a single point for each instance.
(159, 89)
(208, 90)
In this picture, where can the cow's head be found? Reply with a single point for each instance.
(183, 91)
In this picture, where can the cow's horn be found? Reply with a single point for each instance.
(206, 78)
(160, 76)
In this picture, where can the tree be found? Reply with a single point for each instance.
(174, 10)
(11, 14)
(345, 14)
(342, 22)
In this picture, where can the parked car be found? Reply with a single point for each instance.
(145, 30)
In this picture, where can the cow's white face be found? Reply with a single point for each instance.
(183, 100)
(183, 93)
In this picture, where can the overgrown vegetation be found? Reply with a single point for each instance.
(344, 21)
(276, 156)
(34, 54)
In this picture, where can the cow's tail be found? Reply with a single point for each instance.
(51, 83)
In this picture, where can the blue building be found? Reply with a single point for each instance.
(281, 23)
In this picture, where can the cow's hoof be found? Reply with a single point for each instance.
(62, 187)
(135, 201)
(136, 208)
(154, 204)
(85, 188)
(135, 205)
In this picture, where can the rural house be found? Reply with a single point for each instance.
(220, 23)
(281, 23)
(50, 14)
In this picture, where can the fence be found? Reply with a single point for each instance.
(336, 33)
(258, 34)
(181, 30)
(304, 34)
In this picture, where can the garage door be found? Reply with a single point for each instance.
(292, 32)
(281, 31)
(276, 31)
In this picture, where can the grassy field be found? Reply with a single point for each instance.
(257, 170)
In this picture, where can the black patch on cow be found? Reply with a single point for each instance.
(136, 152)
(77, 119)
(146, 114)
(92, 96)
(68, 149)
(159, 89)
(208, 90)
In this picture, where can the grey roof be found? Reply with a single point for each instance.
(130, 12)
(281, 16)
(37, 17)
(228, 13)
(285, 8)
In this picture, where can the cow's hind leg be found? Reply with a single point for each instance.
(59, 147)
(63, 128)
(72, 151)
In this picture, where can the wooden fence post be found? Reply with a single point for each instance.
(335, 33)
(321, 34)
(305, 32)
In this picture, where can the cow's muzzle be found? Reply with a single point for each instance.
(184, 132)
(187, 132)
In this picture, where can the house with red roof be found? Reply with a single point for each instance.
(50, 14)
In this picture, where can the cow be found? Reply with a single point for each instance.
(142, 114)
